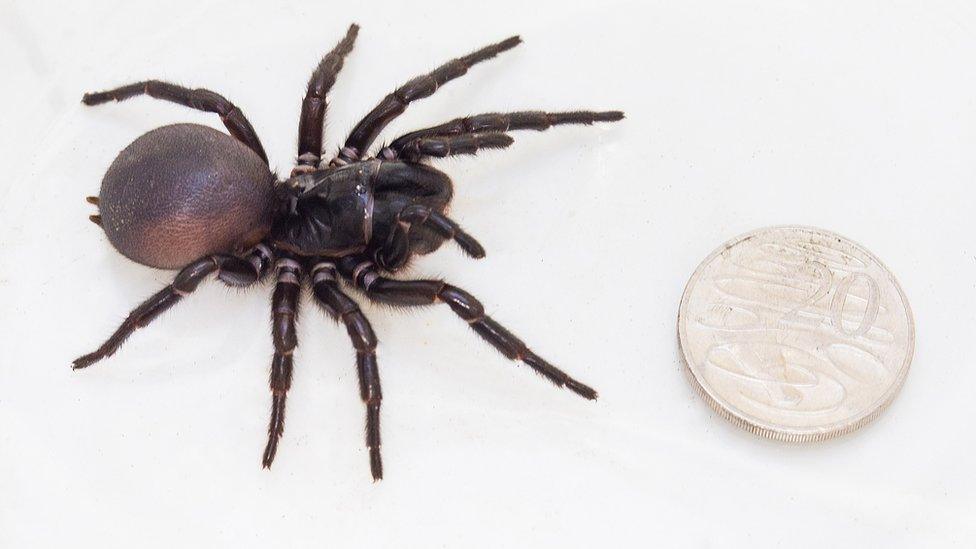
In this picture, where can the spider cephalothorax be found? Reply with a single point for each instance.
(189, 197)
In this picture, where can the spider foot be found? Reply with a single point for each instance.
(275, 429)
(86, 360)
(375, 464)
(581, 389)
(269, 454)
(469, 245)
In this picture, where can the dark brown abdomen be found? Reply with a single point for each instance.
(184, 191)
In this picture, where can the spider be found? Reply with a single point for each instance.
(189, 197)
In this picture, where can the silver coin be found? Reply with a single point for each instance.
(795, 333)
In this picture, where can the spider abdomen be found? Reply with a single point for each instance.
(183, 191)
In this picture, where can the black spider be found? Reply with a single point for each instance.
(187, 196)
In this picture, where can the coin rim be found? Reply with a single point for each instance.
(767, 429)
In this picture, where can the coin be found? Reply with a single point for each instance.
(795, 333)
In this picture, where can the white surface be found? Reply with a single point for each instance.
(858, 117)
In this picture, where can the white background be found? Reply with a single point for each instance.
(859, 117)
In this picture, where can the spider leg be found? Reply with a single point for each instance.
(449, 145)
(200, 99)
(505, 122)
(284, 310)
(361, 272)
(395, 103)
(397, 249)
(233, 271)
(342, 308)
(314, 105)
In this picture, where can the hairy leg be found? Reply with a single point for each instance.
(397, 248)
(342, 308)
(232, 270)
(361, 272)
(314, 105)
(284, 310)
(448, 145)
(200, 99)
(365, 132)
(505, 122)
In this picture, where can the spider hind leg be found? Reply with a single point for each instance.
(232, 270)
(200, 99)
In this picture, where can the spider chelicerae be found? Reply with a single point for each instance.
(189, 197)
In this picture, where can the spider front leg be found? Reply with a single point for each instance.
(284, 311)
(447, 145)
(397, 249)
(407, 145)
(361, 272)
(394, 104)
(342, 308)
(232, 270)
